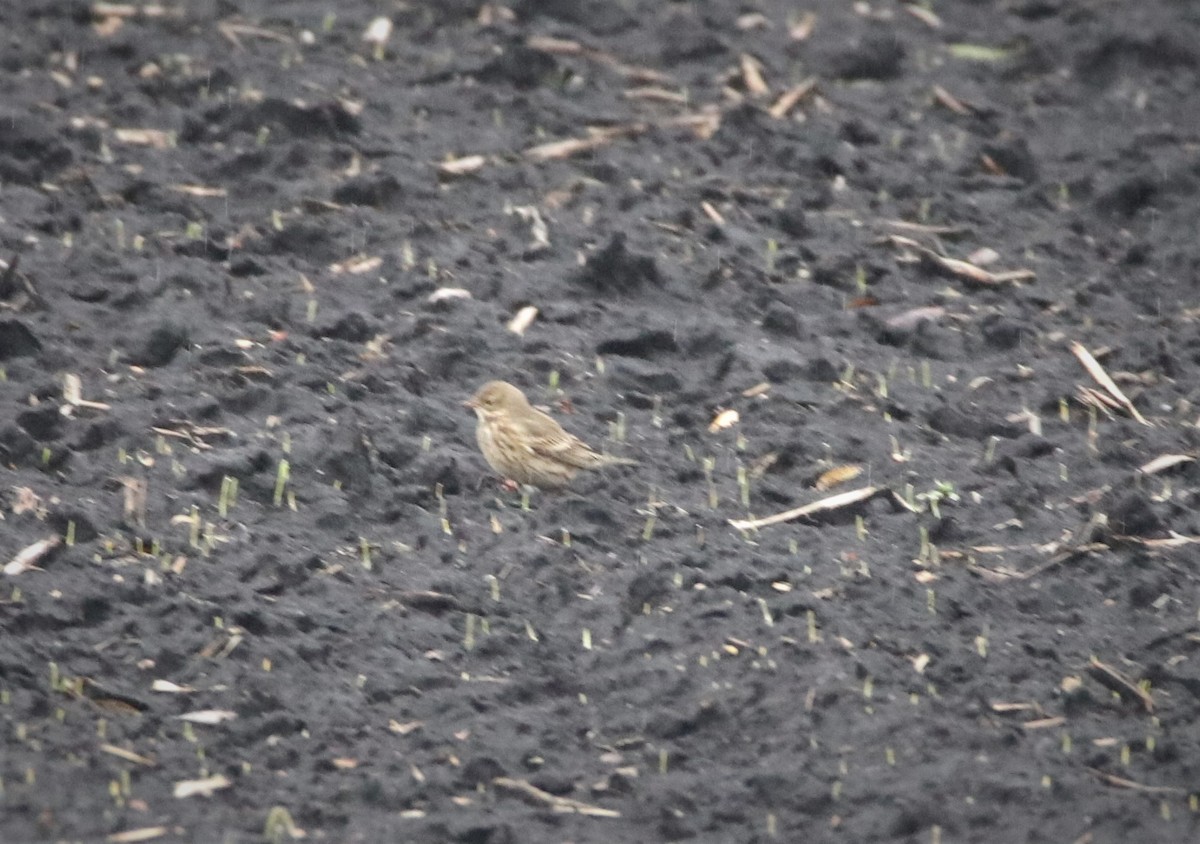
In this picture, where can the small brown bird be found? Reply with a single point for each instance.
(524, 444)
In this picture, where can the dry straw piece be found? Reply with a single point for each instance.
(1102, 378)
(825, 505)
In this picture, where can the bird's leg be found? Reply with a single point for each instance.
(511, 486)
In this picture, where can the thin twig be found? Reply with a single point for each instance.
(559, 804)
(1121, 782)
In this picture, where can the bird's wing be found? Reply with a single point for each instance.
(547, 438)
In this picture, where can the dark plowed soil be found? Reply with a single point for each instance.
(253, 264)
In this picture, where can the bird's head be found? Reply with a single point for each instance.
(496, 397)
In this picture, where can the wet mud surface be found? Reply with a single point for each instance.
(253, 265)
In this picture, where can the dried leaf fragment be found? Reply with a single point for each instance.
(1044, 723)
(128, 755)
(1164, 462)
(978, 52)
(655, 93)
(983, 256)
(200, 190)
(1102, 378)
(524, 318)
(462, 166)
(205, 787)
(752, 20)
(554, 46)
(132, 836)
(27, 500)
(156, 138)
(723, 420)
(962, 269)
(574, 146)
(789, 98)
(712, 213)
(357, 266)
(378, 31)
(752, 76)
(837, 475)
(72, 388)
(208, 716)
(801, 29)
(132, 10)
(924, 228)
(924, 15)
(443, 294)
(28, 557)
(73, 395)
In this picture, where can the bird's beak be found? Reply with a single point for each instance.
(471, 404)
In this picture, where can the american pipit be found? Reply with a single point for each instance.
(524, 444)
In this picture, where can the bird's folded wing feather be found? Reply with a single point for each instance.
(547, 438)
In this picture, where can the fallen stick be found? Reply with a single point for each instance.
(1113, 679)
(559, 804)
(787, 101)
(702, 123)
(565, 47)
(824, 505)
(1121, 782)
(964, 270)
